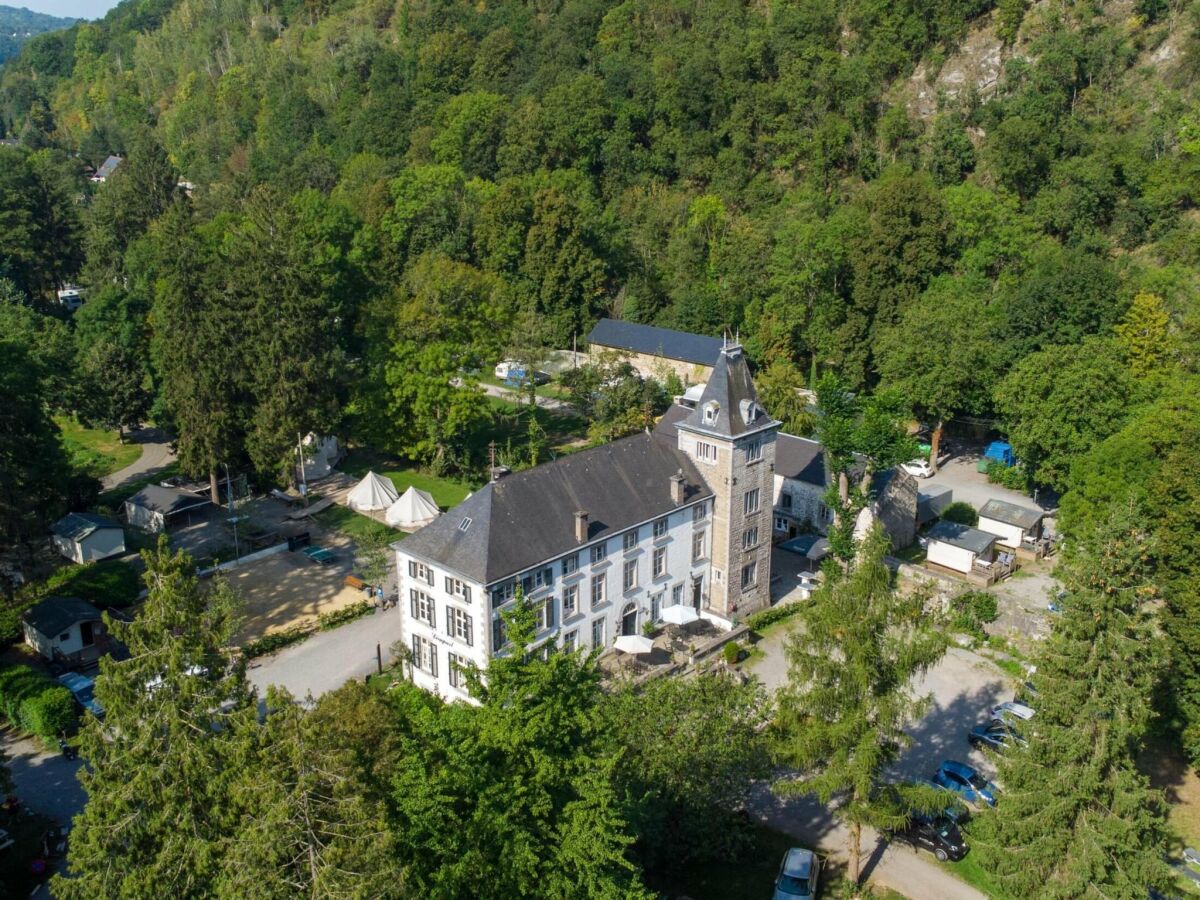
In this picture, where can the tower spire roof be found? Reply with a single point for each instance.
(729, 406)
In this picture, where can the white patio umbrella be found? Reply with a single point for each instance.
(635, 644)
(680, 614)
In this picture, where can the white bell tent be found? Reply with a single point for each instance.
(414, 509)
(373, 492)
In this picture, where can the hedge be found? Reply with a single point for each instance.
(106, 583)
(277, 640)
(329, 621)
(761, 620)
(34, 702)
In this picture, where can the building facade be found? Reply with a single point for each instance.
(652, 350)
(600, 541)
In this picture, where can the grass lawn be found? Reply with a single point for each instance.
(914, 553)
(96, 452)
(109, 582)
(446, 492)
(355, 526)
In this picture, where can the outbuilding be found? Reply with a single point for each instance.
(1012, 525)
(959, 547)
(85, 538)
(155, 508)
(649, 348)
(66, 630)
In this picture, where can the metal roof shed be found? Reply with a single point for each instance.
(1010, 523)
(154, 506)
(957, 547)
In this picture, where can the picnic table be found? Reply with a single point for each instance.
(319, 555)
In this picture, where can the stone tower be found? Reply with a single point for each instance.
(732, 440)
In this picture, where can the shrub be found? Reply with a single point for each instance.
(972, 610)
(327, 621)
(103, 584)
(34, 702)
(762, 619)
(277, 640)
(50, 713)
(732, 652)
(962, 513)
(1011, 477)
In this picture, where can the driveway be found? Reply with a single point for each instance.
(45, 782)
(156, 456)
(329, 659)
(958, 473)
(963, 687)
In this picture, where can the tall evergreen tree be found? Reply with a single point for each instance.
(161, 766)
(1076, 818)
(849, 693)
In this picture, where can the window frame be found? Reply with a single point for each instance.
(754, 494)
(600, 581)
(629, 540)
(658, 566)
(572, 591)
(661, 527)
(699, 545)
(629, 576)
(752, 568)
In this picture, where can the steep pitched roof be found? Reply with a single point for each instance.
(800, 459)
(77, 526)
(528, 517)
(54, 615)
(1011, 514)
(730, 394)
(693, 348)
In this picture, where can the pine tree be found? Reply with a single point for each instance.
(1076, 818)
(308, 825)
(848, 697)
(160, 766)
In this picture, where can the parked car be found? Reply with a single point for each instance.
(918, 468)
(936, 833)
(799, 875)
(966, 782)
(503, 369)
(82, 689)
(995, 735)
(1012, 709)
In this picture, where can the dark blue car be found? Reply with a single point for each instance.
(966, 782)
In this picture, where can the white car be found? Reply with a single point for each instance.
(918, 468)
(1018, 710)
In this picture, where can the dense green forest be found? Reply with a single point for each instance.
(330, 215)
(18, 25)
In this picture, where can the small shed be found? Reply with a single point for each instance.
(959, 547)
(932, 501)
(155, 508)
(65, 630)
(106, 169)
(1011, 524)
(85, 538)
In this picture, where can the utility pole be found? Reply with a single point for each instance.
(232, 518)
(303, 474)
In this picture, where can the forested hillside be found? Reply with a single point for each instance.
(18, 25)
(382, 197)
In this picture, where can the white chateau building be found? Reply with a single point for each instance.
(602, 540)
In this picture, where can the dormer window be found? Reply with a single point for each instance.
(712, 409)
(750, 411)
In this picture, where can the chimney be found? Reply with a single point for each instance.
(677, 487)
(581, 525)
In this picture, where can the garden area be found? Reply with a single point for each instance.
(94, 451)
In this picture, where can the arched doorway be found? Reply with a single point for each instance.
(629, 620)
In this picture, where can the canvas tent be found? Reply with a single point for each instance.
(414, 509)
(373, 492)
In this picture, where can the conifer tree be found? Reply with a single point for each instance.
(1076, 818)
(161, 764)
(849, 695)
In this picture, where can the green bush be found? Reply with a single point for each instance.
(50, 713)
(962, 513)
(34, 702)
(103, 584)
(327, 621)
(1011, 477)
(970, 611)
(732, 652)
(275, 641)
(760, 620)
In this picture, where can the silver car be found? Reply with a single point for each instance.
(798, 875)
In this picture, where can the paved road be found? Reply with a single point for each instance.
(329, 659)
(964, 686)
(549, 403)
(45, 782)
(156, 455)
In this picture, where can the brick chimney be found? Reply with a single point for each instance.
(677, 487)
(581, 525)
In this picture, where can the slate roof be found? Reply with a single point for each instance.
(528, 518)
(731, 389)
(667, 427)
(800, 459)
(648, 339)
(108, 166)
(961, 536)
(167, 501)
(77, 526)
(54, 615)
(1010, 514)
